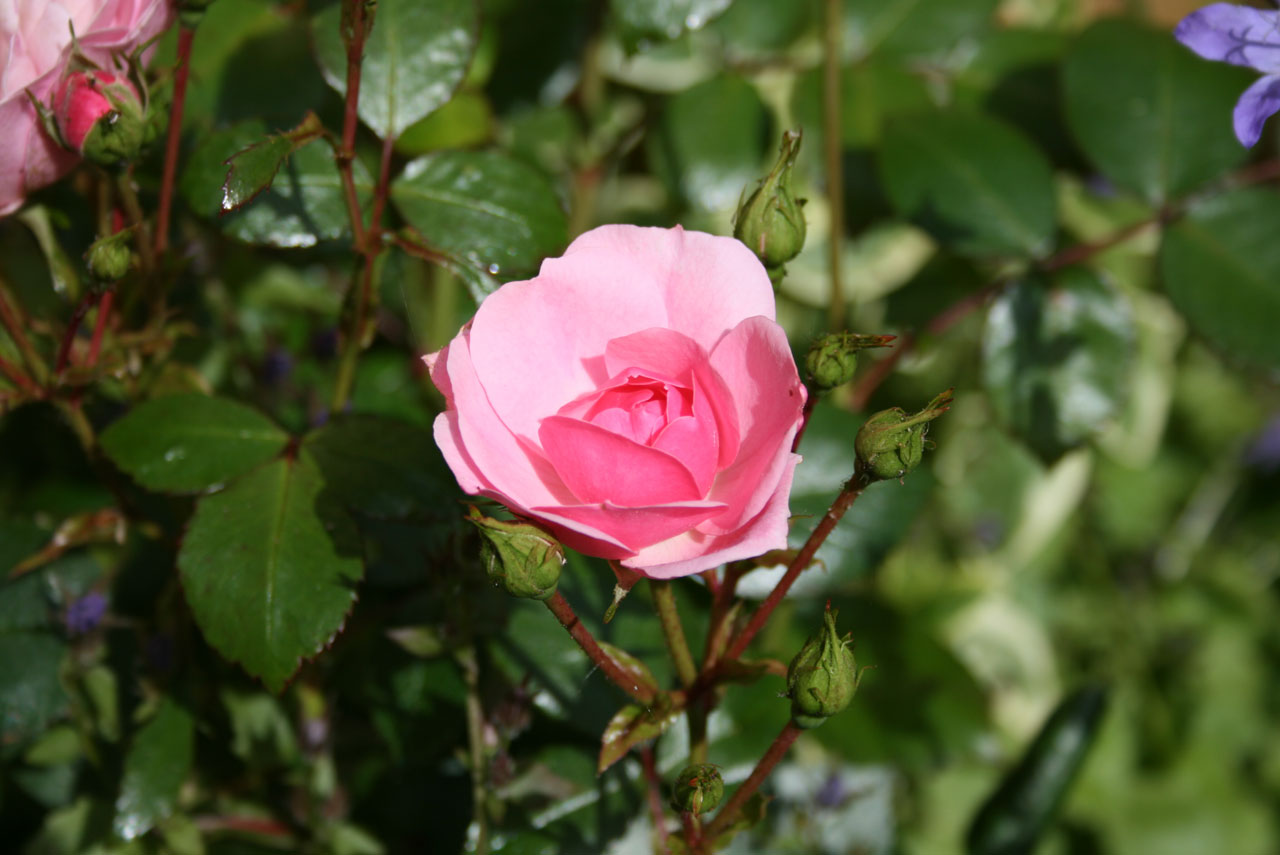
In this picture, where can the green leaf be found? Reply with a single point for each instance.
(633, 666)
(665, 18)
(1149, 113)
(31, 694)
(252, 170)
(972, 181)
(189, 443)
(304, 205)
(632, 725)
(484, 209)
(1221, 268)
(904, 28)
(154, 768)
(1014, 817)
(415, 57)
(1055, 358)
(710, 168)
(269, 576)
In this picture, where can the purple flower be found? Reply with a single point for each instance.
(84, 614)
(1241, 36)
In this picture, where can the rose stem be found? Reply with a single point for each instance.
(69, 336)
(99, 324)
(360, 25)
(564, 613)
(466, 657)
(692, 830)
(664, 602)
(831, 147)
(749, 786)
(15, 326)
(186, 35)
(655, 799)
(852, 489)
(809, 403)
(137, 218)
(21, 380)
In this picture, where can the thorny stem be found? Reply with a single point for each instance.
(564, 613)
(655, 799)
(466, 657)
(15, 325)
(770, 759)
(69, 335)
(852, 489)
(186, 36)
(99, 324)
(834, 165)
(351, 115)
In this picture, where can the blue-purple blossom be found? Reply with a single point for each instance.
(84, 614)
(1241, 36)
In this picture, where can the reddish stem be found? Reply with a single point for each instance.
(100, 323)
(19, 379)
(655, 798)
(351, 117)
(852, 489)
(564, 613)
(809, 403)
(185, 37)
(15, 325)
(770, 759)
(69, 336)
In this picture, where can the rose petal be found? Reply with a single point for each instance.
(1259, 102)
(754, 360)
(634, 527)
(695, 551)
(598, 465)
(1235, 34)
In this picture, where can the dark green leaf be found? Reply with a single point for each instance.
(1221, 268)
(414, 58)
(154, 768)
(973, 182)
(1013, 818)
(632, 725)
(269, 576)
(189, 443)
(1149, 113)
(711, 142)
(912, 27)
(665, 18)
(1055, 358)
(252, 170)
(31, 693)
(486, 210)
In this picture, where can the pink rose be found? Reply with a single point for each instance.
(35, 44)
(637, 397)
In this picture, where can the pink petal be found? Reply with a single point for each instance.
(634, 527)
(754, 360)
(601, 466)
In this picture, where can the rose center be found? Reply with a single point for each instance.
(639, 407)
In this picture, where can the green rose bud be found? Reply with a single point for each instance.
(833, 358)
(891, 443)
(109, 257)
(520, 557)
(824, 676)
(698, 789)
(770, 222)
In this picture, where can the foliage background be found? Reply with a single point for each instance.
(1045, 204)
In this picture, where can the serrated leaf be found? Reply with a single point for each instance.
(972, 181)
(1150, 114)
(415, 56)
(632, 725)
(484, 209)
(251, 171)
(154, 768)
(269, 576)
(189, 443)
(1221, 268)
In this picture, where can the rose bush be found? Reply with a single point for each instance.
(637, 397)
(35, 44)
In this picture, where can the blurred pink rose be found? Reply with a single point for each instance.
(636, 396)
(35, 43)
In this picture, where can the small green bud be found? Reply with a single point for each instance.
(823, 677)
(520, 557)
(833, 358)
(109, 257)
(770, 222)
(698, 789)
(891, 443)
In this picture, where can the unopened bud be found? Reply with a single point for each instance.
(770, 222)
(698, 789)
(522, 558)
(833, 358)
(891, 443)
(823, 677)
(99, 115)
(109, 257)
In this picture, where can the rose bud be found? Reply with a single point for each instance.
(99, 115)
(521, 558)
(823, 677)
(109, 257)
(833, 358)
(890, 443)
(698, 789)
(770, 222)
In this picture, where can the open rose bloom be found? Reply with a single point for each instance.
(637, 397)
(35, 45)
